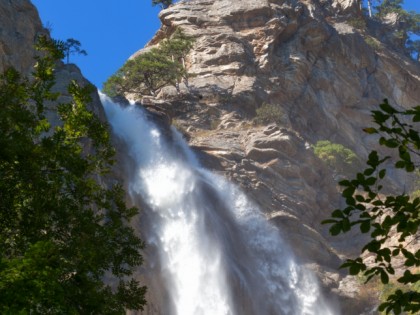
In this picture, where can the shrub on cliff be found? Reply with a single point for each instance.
(71, 47)
(144, 75)
(339, 158)
(152, 70)
(61, 233)
(269, 113)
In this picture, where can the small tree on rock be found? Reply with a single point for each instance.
(144, 75)
(71, 47)
(152, 70)
(177, 48)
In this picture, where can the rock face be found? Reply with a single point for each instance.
(325, 75)
(20, 27)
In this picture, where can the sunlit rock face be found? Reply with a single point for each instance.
(325, 75)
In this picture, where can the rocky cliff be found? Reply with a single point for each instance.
(323, 73)
(20, 27)
(303, 56)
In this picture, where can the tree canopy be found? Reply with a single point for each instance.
(153, 69)
(340, 159)
(386, 215)
(61, 232)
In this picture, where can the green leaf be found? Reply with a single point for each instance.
(382, 173)
(410, 167)
(346, 226)
(384, 277)
(365, 226)
(373, 159)
(400, 164)
(354, 270)
(344, 183)
(335, 229)
(348, 192)
(370, 181)
(392, 143)
(369, 171)
(337, 214)
(388, 108)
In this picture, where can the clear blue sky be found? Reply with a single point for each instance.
(109, 30)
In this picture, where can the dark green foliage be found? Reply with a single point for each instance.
(144, 75)
(152, 70)
(384, 215)
(162, 3)
(61, 232)
(73, 46)
(178, 46)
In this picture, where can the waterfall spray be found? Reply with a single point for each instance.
(218, 253)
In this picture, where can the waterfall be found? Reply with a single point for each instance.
(218, 255)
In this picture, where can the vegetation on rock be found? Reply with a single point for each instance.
(406, 24)
(269, 113)
(61, 232)
(152, 70)
(339, 158)
(386, 216)
(72, 46)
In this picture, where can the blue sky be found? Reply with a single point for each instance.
(110, 31)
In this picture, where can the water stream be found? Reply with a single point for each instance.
(218, 255)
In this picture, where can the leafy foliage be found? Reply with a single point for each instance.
(145, 74)
(152, 70)
(178, 46)
(385, 215)
(341, 159)
(73, 46)
(61, 232)
(269, 113)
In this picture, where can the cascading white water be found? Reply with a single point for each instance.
(218, 254)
